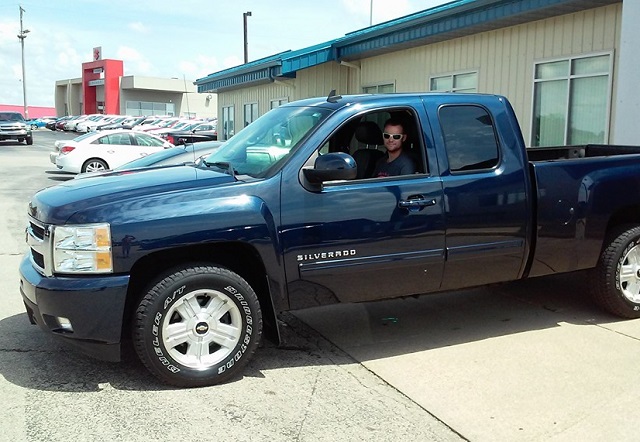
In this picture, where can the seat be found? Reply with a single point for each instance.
(299, 126)
(369, 134)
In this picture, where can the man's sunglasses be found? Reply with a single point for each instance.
(394, 136)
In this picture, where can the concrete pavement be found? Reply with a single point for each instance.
(528, 361)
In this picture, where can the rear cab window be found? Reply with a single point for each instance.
(469, 137)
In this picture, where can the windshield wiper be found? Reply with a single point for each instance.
(228, 167)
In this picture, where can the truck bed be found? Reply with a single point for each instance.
(579, 151)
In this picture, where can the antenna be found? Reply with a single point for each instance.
(333, 98)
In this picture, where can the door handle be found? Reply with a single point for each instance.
(416, 203)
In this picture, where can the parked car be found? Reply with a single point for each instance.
(127, 123)
(14, 127)
(36, 123)
(58, 124)
(173, 156)
(70, 124)
(105, 150)
(92, 122)
(114, 121)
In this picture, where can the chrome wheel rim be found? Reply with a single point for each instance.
(630, 275)
(95, 167)
(202, 328)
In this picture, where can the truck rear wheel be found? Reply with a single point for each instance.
(616, 279)
(197, 326)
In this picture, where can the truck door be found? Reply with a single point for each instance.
(487, 213)
(365, 239)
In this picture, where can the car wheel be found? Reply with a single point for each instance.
(29, 141)
(94, 165)
(616, 279)
(34, 127)
(197, 326)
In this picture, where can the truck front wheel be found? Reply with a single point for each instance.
(197, 326)
(616, 279)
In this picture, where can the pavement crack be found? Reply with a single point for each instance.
(635, 338)
(306, 411)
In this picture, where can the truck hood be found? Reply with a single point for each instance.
(57, 204)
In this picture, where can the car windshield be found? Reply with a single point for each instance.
(11, 116)
(258, 147)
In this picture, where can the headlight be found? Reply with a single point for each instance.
(82, 249)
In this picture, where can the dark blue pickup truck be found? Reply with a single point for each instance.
(191, 264)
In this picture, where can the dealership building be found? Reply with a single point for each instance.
(103, 89)
(569, 67)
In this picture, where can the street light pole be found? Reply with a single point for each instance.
(22, 35)
(246, 44)
(371, 13)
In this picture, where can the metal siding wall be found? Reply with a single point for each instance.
(319, 80)
(504, 58)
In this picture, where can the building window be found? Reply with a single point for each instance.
(571, 101)
(147, 108)
(279, 102)
(228, 122)
(250, 113)
(460, 82)
(380, 89)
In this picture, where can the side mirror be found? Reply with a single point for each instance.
(331, 167)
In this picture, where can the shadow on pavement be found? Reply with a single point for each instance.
(57, 175)
(384, 329)
(33, 359)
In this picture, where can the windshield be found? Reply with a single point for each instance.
(269, 140)
(11, 116)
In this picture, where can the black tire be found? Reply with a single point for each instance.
(94, 165)
(29, 141)
(186, 307)
(616, 279)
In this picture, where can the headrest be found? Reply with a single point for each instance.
(368, 132)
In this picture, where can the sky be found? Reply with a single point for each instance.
(171, 39)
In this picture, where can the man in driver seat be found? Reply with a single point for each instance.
(397, 161)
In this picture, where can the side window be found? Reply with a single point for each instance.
(119, 139)
(145, 140)
(469, 138)
(363, 138)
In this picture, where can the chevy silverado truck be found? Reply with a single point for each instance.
(192, 265)
(14, 127)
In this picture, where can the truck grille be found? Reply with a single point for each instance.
(38, 239)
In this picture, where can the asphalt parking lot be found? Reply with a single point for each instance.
(527, 361)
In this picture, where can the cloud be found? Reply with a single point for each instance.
(202, 66)
(134, 62)
(138, 27)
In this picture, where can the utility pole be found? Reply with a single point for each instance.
(246, 44)
(22, 35)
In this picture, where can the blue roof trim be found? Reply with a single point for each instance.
(254, 77)
(445, 19)
(304, 58)
(436, 24)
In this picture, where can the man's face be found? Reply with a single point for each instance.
(390, 143)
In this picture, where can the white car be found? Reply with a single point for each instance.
(105, 150)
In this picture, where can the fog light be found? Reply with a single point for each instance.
(64, 324)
